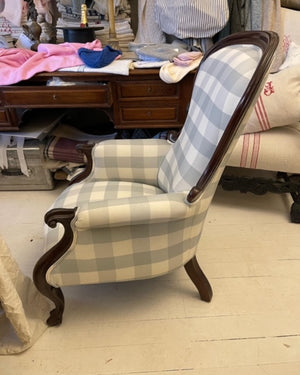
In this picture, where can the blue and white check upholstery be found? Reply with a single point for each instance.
(133, 220)
(218, 88)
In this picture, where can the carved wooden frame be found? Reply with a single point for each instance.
(63, 216)
(268, 42)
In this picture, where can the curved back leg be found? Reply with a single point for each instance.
(199, 279)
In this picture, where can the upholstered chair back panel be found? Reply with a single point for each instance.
(219, 86)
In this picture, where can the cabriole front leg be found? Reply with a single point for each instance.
(63, 216)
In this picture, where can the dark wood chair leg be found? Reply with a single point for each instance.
(199, 279)
(56, 296)
(54, 216)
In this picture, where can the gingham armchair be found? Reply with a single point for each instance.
(139, 210)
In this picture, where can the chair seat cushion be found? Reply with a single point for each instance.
(91, 192)
(127, 252)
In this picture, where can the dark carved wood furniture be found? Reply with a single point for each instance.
(142, 216)
(140, 100)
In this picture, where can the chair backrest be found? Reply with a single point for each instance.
(229, 80)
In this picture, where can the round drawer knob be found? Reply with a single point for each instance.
(54, 97)
(149, 90)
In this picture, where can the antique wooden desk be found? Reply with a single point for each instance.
(140, 100)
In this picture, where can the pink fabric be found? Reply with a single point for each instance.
(249, 155)
(186, 58)
(262, 114)
(17, 64)
(245, 150)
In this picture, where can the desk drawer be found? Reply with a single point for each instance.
(147, 89)
(3, 117)
(9, 119)
(150, 114)
(95, 96)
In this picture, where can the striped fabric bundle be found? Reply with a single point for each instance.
(260, 150)
(191, 18)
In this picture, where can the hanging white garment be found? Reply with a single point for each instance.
(148, 30)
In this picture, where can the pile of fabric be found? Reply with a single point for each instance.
(174, 60)
(78, 126)
(18, 64)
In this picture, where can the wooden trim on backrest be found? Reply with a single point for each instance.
(268, 42)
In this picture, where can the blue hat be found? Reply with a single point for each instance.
(98, 59)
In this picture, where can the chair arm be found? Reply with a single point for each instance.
(129, 159)
(132, 211)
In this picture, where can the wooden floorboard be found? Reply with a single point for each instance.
(251, 255)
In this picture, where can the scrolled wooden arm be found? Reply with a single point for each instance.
(63, 216)
(85, 149)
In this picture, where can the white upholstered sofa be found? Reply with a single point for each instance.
(271, 140)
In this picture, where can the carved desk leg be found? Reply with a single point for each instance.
(54, 216)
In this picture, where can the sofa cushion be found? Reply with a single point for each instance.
(275, 150)
(278, 103)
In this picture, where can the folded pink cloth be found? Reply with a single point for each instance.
(186, 58)
(192, 55)
(18, 64)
